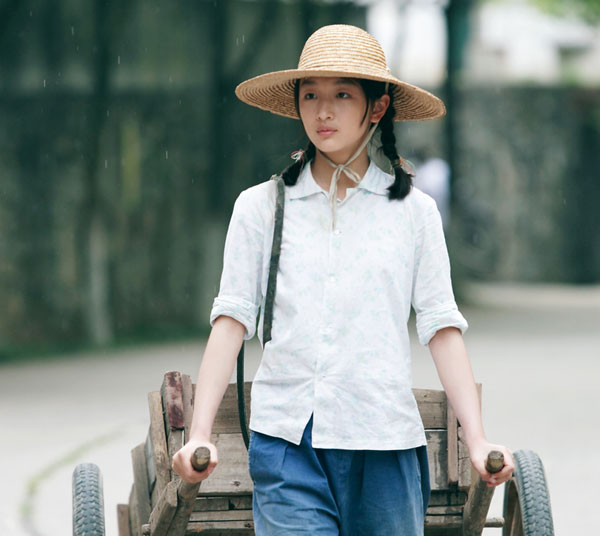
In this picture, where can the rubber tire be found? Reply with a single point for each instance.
(527, 499)
(88, 501)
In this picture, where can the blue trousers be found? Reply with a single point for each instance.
(300, 490)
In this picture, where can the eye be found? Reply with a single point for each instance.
(309, 96)
(343, 95)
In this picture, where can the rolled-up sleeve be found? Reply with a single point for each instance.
(432, 295)
(239, 290)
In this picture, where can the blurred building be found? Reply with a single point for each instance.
(511, 41)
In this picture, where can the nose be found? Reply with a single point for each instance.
(325, 109)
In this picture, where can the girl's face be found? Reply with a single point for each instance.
(333, 114)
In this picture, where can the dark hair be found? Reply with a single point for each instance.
(373, 90)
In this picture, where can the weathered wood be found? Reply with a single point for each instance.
(230, 477)
(172, 395)
(447, 498)
(159, 441)
(227, 420)
(211, 504)
(444, 510)
(229, 515)
(216, 503)
(140, 483)
(464, 463)
(123, 520)
(480, 498)
(447, 522)
(172, 401)
(437, 453)
(150, 462)
(201, 459)
(162, 514)
(432, 406)
(134, 514)
(452, 446)
(221, 528)
(187, 396)
(186, 497)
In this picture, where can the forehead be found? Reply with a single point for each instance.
(328, 81)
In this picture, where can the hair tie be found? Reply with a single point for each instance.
(405, 165)
(297, 155)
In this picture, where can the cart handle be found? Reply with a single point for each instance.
(494, 463)
(200, 459)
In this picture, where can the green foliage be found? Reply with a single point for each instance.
(589, 10)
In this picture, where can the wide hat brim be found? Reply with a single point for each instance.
(274, 92)
(343, 51)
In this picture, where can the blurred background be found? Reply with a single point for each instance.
(123, 148)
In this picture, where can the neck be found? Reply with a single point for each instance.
(322, 170)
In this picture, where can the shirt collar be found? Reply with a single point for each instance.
(375, 181)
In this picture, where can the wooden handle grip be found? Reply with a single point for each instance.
(495, 462)
(200, 459)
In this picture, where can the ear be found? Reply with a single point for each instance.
(379, 108)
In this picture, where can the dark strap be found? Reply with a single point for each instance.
(269, 299)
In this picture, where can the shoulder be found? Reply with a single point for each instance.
(256, 205)
(420, 201)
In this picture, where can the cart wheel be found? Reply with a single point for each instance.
(527, 509)
(88, 501)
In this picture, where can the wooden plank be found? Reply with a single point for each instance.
(172, 402)
(447, 522)
(136, 526)
(452, 446)
(464, 463)
(162, 514)
(476, 509)
(230, 477)
(140, 483)
(229, 515)
(447, 498)
(444, 510)
(432, 407)
(187, 395)
(221, 528)
(171, 391)
(219, 504)
(211, 504)
(227, 420)
(123, 520)
(437, 453)
(150, 462)
(159, 442)
(431, 404)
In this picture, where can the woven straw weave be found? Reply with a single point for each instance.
(339, 51)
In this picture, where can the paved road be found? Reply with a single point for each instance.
(535, 349)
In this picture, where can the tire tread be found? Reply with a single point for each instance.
(88, 501)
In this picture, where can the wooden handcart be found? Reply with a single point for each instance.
(160, 504)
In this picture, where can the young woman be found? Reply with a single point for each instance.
(337, 443)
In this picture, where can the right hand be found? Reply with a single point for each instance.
(183, 467)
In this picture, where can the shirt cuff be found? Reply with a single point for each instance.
(239, 309)
(445, 316)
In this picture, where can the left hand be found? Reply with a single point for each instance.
(478, 453)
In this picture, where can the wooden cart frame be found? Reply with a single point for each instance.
(160, 504)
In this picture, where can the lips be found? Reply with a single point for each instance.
(325, 131)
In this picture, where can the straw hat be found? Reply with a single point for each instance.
(343, 51)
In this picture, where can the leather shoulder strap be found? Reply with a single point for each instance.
(274, 263)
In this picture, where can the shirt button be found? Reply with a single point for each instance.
(337, 232)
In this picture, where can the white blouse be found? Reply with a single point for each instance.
(340, 347)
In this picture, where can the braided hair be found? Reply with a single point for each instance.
(373, 90)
